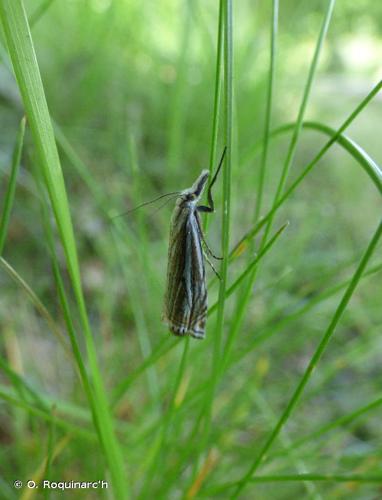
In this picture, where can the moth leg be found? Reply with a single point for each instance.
(210, 263)
(201, 234)
(204, 208)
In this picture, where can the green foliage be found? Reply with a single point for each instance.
(282, 400)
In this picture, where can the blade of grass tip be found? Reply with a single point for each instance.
(10, 193)
(268, 109)
(21, 50)
(334, 138)
(217, 94)
(300, 117)
(314, 359)
(226, 6)
(159, 454)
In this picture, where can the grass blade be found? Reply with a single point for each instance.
(10, 193)
(334, 138)
(314, 359)
(21, 50)
(268, 110)
(37, 303)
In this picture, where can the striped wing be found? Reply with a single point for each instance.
(186, 294)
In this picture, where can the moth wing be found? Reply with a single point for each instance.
(186, 293)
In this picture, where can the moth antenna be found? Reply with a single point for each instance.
(209, 195)
(146, 203)
(164, 204)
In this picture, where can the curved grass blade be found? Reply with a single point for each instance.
(314, 359)
(333, 139)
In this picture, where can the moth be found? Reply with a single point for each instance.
(185, 304)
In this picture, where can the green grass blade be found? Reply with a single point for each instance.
(20, 385)
(341, 421)
(268, 110)
(21, 50)
(160, 450)
(334, 138)
(314, 359)
(244, 299)
(274, 327)
(46, 415)
(370, 166)
(163, 348)
(217, 96)
(336, 478)
(272, 478)
(304, 102)
(228, 110)
(250, 267)
(10, 193)
(39, 12)
(206, 413)
(12, 273)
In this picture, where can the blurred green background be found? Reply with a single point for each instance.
(131, 86)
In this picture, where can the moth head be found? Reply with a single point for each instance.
(193, 193)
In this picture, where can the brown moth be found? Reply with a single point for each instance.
(185, 305)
